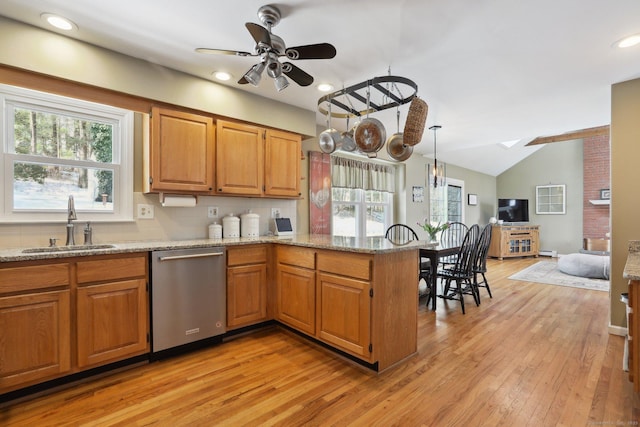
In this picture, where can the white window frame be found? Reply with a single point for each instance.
(441, 189)
(121, 165)
(361, 211)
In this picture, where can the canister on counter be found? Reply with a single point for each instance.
(215, 231)
(230, 226)
(249, 225)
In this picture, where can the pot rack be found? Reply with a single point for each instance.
(370, 96)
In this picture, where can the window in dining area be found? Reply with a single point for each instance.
(362, 197)
(445, 202)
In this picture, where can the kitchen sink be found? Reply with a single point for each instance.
(67, 248)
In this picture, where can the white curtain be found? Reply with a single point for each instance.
(350, 173)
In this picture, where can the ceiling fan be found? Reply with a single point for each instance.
(270, 47)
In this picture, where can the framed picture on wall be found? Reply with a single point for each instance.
(418, 194)
(605, 194)
(472, 199)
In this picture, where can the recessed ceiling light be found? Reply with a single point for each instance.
(628, 41)
(222, 75)
(59, 22)
(325, 87)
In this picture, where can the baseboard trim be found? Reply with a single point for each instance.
(617, 330)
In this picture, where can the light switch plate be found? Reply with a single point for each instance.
(145, 211)
(212, 212)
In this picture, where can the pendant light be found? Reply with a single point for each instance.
(437, 171)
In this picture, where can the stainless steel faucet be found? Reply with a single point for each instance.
(71, 216)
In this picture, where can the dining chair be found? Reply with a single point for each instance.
(480, 264)
(399, 234)
(460, 272)
(452, 236)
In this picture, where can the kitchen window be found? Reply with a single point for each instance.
(359, 213)
(361, 196)
(54, 147)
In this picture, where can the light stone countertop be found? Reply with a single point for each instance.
(372, 245)
(632, 267)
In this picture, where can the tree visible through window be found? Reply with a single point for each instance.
(60, 147)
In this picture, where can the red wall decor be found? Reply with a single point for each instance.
(319, 193)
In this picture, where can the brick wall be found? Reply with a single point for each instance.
(596, 164)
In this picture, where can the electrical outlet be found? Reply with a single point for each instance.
(145, 211)
(275, 212)
(212, 212)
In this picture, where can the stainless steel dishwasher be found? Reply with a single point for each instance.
(188, 295)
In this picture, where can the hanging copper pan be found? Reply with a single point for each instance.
(396, 148)
(370, 134)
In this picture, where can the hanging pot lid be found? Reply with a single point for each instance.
(329, 139)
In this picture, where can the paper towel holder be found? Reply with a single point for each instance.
(178, 200)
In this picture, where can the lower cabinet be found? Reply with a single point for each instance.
(112, 321)
(345, 313)
(246, 285)
(297, 297)
(35, 337)
(60, 318)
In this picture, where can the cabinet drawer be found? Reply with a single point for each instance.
(247, 255)
(345, 264)
(111, 269)
(20, 279)
(299, 257)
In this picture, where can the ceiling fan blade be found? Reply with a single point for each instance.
(296, 74)
(208, 51)
(311, 51)
(259, 33)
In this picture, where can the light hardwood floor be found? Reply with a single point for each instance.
(534, 355)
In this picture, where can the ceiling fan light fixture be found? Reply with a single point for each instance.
(274, 68)
(254, 74)
(281, 82)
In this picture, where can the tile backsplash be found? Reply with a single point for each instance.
(169, 223)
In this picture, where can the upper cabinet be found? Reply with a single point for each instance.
(181, 153)
(253, 161)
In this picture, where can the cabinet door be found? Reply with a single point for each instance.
(112, 321)
(344, 318)
(282, 164)
(182, 152)
(239, 159)
(34, 338)
(297, 297)
(246, 295)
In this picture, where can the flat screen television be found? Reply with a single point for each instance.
(513, 210)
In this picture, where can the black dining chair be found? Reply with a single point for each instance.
(399, 234)
(480, 264)
(452, 236)
(460, 272)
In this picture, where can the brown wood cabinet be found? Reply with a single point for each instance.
(362, 304)
(296, 288)
(344, 302)
(112, 309)
(253, 161)
(246, 285)
(514, 241)
(61, 317)
(180, 153)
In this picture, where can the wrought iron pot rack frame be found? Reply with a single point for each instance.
(387, 86)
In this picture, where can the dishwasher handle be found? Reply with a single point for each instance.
(175, 257)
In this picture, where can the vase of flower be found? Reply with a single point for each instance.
(433, 230)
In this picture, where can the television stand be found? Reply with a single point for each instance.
(509, 241)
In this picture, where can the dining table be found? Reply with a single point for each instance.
(435, 252)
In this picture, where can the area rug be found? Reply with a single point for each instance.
(547, 272)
